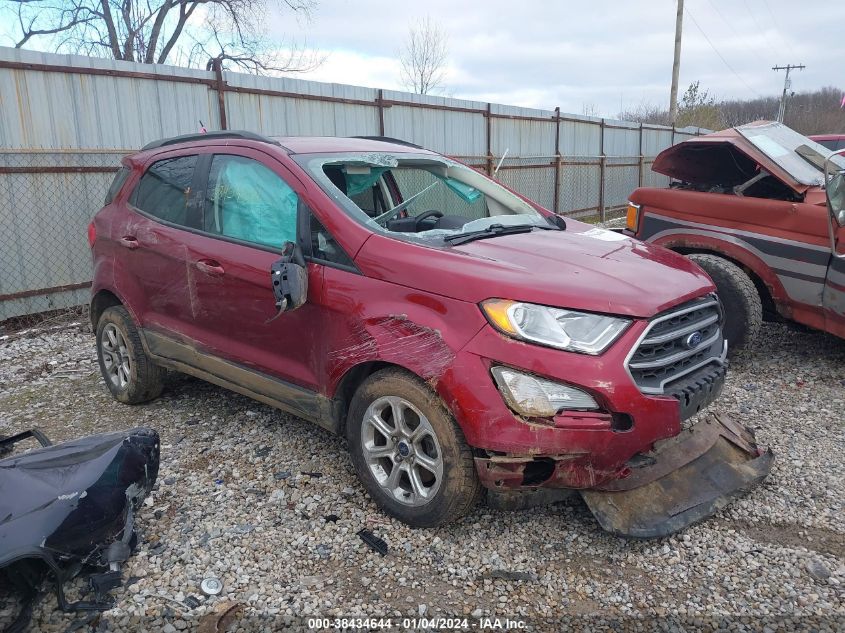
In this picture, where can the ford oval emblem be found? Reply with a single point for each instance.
(693, 340)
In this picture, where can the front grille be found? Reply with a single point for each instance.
(665, 354)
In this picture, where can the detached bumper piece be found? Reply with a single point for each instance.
(70, 507)
(683, 480)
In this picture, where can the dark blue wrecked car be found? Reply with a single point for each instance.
(70, 508)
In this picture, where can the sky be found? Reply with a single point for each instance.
(586, 56)
(597, 57)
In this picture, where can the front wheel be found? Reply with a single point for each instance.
(409, 452)
(739, 297)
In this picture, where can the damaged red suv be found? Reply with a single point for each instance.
(460, 336)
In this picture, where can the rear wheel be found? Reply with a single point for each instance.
(409, 452)
(129, 373)
(739, 297)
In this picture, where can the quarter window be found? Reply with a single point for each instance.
(164, 189)
(324, 247)
(246, 200)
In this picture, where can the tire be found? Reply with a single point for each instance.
(130, 375)
(739, 297)
(445, 493)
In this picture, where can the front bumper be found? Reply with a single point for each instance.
(575, 449)
(683, 480)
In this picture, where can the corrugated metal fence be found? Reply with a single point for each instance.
(66, 120)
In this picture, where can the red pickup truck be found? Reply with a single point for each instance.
(748, 205)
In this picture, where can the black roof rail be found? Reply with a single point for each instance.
(210, 136)
(388, 139)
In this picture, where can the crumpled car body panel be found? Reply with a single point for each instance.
(66, 504)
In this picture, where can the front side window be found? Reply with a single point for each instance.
(418, 197)
(248, 201)
(164, 189)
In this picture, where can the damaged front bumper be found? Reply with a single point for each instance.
(684, 479)
(71, 505)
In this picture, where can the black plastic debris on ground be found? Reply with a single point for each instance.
(331, 518)
(69, 507)
(373, 541)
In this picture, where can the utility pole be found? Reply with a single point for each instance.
(676, 64)
(786, 86)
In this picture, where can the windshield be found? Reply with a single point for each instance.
(800, 157)
(419, 197)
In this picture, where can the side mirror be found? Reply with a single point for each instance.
(289, 277)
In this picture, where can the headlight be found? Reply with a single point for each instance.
(565, 329)
(537, 397)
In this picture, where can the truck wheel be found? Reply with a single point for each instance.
(129, 373)
(409, 452)
(740, 299)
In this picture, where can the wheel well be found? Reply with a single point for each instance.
(102, 301)
(349, 384)
(770, 312)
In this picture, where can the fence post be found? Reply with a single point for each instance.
(220, 87)
(557, 161)
(489, 139)
(380, 102)
(602, 170)
(641, 160)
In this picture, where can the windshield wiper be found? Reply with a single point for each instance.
(495, 230)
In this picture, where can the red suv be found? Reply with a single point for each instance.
(459, 335)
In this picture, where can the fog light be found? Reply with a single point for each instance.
(536, 397)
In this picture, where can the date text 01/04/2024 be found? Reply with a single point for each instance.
(426, 624)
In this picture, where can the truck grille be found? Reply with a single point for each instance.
(678, 343)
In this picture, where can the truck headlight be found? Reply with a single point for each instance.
(537, 397)
(564, 329)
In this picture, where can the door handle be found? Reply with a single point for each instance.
(129, 241)
(210, 267)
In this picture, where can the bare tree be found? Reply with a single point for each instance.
(231, 32)
(423, 57)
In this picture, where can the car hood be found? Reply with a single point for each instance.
(733, 156)
(583, 268)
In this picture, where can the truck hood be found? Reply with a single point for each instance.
(583, 268)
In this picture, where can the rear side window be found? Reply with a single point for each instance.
(164, 189)
(119, 178)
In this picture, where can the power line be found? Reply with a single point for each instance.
(732, 28)
(777, 27)
(716, 50)
(760, 28)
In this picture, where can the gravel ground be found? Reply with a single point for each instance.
(233, 500)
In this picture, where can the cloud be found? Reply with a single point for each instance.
(605, 53)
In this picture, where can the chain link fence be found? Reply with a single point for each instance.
(47, 199)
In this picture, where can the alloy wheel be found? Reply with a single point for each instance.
(402, 451)
(115, 356)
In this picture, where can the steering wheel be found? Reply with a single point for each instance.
(423, 216)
